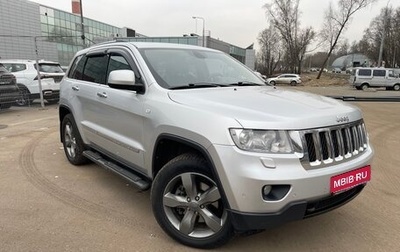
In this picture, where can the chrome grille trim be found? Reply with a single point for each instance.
(332, 145)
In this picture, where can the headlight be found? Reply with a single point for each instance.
(268, 141)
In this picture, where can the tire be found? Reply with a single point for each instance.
(4, 106)
(396, 87)
(273, 83)
(364, 86)
(197, 218)
(72, 141)
(25, 97)
(358, 88)
(52, 101)
(293, 83)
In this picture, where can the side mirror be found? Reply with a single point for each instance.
(124, 79)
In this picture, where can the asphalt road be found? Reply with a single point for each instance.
(46, 204)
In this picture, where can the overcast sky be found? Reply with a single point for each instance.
(235, 21)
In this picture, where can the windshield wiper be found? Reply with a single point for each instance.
(196, 85)
(244, 83)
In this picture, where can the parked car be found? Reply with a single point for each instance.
(292, 79)
(364, 77)
(336, 70)
(9, 92)
(27, 79)
(221, 151)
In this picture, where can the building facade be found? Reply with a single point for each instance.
(29, 30)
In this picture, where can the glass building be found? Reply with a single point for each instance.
(29, 28)
(65, 30)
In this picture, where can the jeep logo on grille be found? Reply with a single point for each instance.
(341, 119)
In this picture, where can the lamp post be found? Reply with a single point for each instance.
(204, 27)
(82, 24)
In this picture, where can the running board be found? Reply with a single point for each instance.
(129, 175)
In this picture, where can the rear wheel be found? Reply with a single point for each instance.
(72, 141)
(187, 203)
(273, 83)
(396, 87)
(293, 83)
(364, 86)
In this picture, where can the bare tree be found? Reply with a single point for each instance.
(270, 51)
(284, 16)
(385, 25)
(337, 20)
(344, 48)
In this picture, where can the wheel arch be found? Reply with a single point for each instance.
(168, 146)
(23, 86)
(62, 112)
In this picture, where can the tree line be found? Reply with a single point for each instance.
(285, 46)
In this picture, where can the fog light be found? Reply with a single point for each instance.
(275, 192)
(266, 190)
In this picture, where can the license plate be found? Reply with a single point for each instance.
(350, 179)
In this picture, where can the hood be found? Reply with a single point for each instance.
(267, 107)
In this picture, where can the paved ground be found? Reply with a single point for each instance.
(46, 204)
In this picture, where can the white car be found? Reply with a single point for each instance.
(292, 79)
(25, 72)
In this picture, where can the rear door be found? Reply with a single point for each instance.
(363, 76)
(82, 85)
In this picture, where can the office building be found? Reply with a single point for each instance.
(30, 30)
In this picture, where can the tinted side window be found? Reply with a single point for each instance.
(380, 73)
(364, 72)
(14, 67)
(96, 69)
(77, 68)
(117, 62)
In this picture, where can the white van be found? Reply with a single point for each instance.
(363, 77)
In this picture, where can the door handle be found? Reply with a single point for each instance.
(75, 88)
(102, 95)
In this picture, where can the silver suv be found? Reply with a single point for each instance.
(221, 151)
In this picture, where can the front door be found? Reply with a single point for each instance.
(119, 115)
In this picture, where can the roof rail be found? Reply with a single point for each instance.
(106, 42)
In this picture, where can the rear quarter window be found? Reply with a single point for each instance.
(364, 72)
(11, 67)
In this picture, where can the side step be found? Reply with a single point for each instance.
(130, 175)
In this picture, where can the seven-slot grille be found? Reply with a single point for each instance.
(326, 146)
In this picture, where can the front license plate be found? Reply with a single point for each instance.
(350, 179)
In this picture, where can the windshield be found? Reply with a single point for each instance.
(174, 68)
(50, 68)
(3, 69)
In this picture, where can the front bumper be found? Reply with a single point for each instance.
(292, 212)
(9, 94)
(245, 174)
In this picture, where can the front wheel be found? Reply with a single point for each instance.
(293, 83)
(273, 83)
(72, 141)
(187, 203)
(24, 97)
(396, 87)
